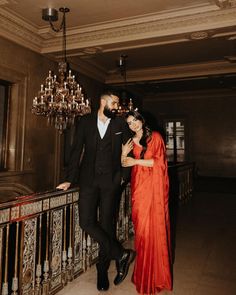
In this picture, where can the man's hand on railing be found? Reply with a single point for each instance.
(64, 186)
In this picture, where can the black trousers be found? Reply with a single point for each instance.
(102, 195)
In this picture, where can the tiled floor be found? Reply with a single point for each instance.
(205, 262)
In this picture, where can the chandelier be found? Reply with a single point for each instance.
(60, 98)
(126, 104)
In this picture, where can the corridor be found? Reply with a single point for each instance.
(204, 251)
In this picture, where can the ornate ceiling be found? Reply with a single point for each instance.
(171, 39)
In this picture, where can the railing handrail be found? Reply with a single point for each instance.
(34, 197)
(26, 206)
(40, 235)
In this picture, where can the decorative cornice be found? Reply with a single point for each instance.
(18, 31)
(152, 29)
(4, 2)
(163, 15)
(175, 72)
(196, 94)
(149, 30)
(225, 3)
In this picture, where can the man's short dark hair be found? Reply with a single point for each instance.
(109, 92)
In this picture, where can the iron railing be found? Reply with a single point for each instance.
(42, 246)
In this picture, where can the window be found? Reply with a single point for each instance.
(175, 140)
(4, 93)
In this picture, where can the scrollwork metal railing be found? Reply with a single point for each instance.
(42, 246)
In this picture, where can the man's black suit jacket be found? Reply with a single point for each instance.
(85, 140)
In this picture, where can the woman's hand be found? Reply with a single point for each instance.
(128, 162)
(127, 147)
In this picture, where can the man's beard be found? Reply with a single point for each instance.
(109, 113)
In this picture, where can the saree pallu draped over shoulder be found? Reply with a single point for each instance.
(150, 214)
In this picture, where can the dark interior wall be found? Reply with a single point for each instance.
(211, 131)
(35, 145)
(34, 142)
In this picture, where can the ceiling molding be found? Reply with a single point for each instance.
(163, 15)
(146, 30)
(18, 31)
(166, 27)
(174, 72)
(187, 95)
(152, 28)
(5, 2)
(223, 4)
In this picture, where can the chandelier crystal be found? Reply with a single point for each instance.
(126, 104)
(60, 98)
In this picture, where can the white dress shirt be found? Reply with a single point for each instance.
(102, 127)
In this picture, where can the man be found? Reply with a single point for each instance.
(100, 137)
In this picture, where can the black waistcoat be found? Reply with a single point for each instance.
(103, 162)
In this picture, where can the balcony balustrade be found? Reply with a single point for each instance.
(43, 248)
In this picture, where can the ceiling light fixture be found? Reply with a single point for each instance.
(126, 104)
(60, 99)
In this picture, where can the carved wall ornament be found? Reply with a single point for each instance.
(199, 35)
(223, 3)
(90, 51)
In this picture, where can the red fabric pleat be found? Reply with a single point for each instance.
(150, 214)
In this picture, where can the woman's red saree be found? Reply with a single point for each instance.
(150, 214)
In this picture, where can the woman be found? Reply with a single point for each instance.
(150, 214)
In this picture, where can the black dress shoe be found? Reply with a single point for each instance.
(123, 264)
(102, 281)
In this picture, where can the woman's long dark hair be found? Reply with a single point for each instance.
(147, 132)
